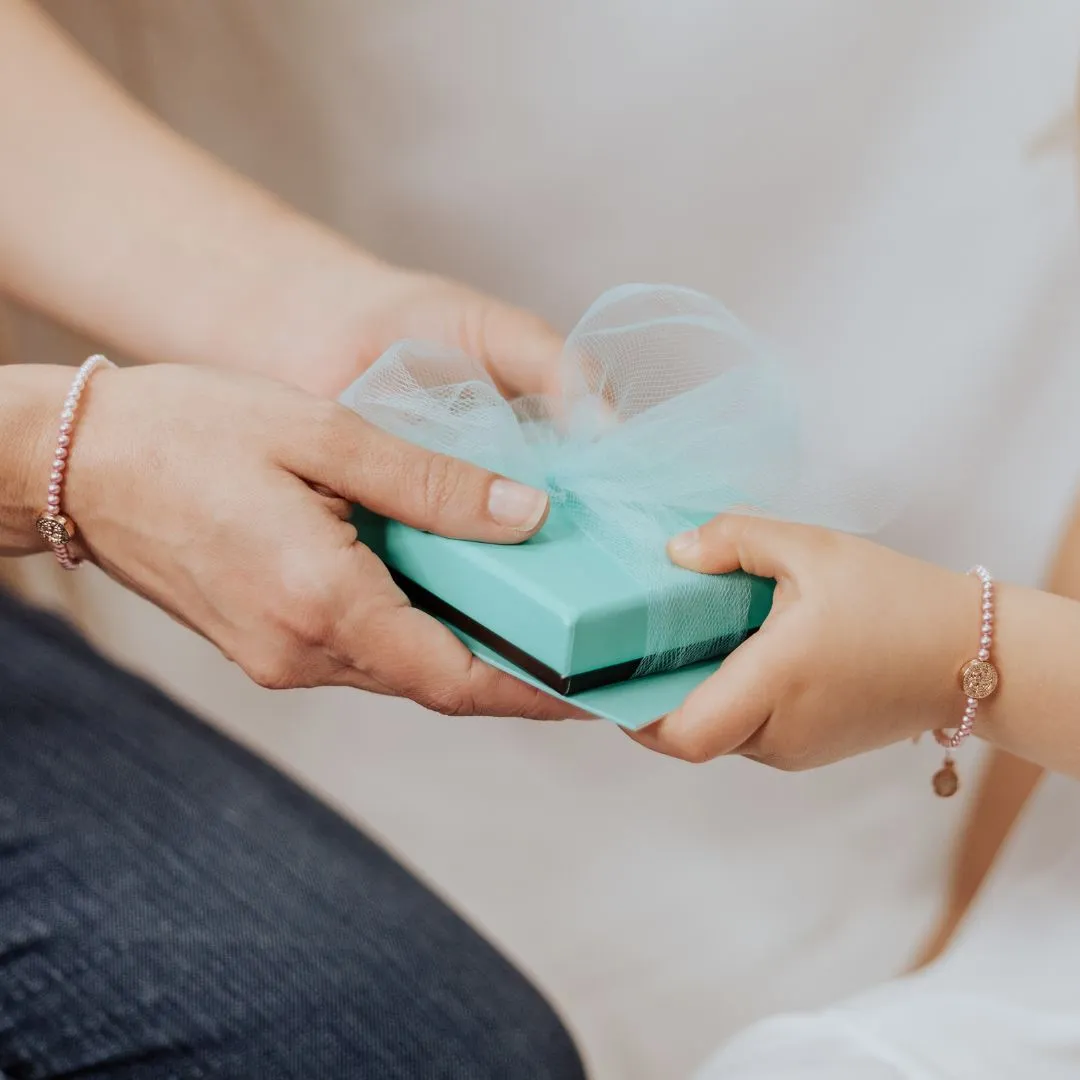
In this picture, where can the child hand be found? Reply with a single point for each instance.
(862, 648)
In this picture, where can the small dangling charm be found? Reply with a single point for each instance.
(946, 782)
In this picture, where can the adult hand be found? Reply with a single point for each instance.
(861, 649)
(224, 499)
(519, 349)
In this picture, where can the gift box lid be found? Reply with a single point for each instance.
(557, 605)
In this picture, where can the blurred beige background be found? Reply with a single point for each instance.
(860, 183)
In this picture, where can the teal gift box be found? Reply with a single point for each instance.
(558, 612)
(662, 411)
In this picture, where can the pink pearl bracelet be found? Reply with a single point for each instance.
(978, 680)
(56, 529)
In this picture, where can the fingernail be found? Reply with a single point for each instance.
(685, 545)
(516, 506)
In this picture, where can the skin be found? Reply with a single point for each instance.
(223, 498)
(1008, 781)
(863, 648)
(166, 255)
(1003, 791)
(203, 481)
(807, 692)
(113, 224)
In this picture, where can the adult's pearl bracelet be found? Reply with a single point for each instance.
(978, 681)
(55, 527)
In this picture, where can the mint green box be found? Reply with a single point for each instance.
(557, 610)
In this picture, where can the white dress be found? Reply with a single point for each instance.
(863, 183)
(1002, 1004)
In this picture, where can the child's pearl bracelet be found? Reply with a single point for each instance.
(978, 680)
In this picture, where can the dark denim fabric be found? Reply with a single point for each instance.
(172, 907)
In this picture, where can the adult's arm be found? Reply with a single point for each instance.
(112, 223)
(115, 225)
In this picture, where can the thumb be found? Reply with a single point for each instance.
(723, 712)
(757, 545)
(399, 480)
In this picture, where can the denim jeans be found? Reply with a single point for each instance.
(172, 907)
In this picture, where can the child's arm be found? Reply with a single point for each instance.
(1003, 789)
(864, 648)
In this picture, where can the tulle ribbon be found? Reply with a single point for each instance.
(668, 412)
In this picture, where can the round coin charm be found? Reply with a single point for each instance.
(55, 529)
(979, 679)
(946, 782)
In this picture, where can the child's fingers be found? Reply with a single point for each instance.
(733, 542)
(721, 714)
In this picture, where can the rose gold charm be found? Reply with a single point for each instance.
(946, 782)
(56, 529)
(979, 679)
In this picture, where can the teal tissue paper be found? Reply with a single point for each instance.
(662, 411)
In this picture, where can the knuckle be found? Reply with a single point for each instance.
(449, 701)
(441, 482)
(535, 704)
(310, 625)
(473, 327)
(325, 423)
(727, 533)
(462, 696)
(271, 669)
(690, 747)
(726, 524)
(786, 754)
(742, 530)
(305, 604)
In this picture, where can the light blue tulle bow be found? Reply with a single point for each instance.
(668, 412)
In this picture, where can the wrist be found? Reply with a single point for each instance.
(297, 309)
(31, 397)
(955, 621)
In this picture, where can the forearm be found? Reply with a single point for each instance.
(1005, 784)
(1036, 712)
(30, 400)
(113, 224)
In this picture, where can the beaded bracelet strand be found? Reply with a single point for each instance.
(55, 527)
(978, 680)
